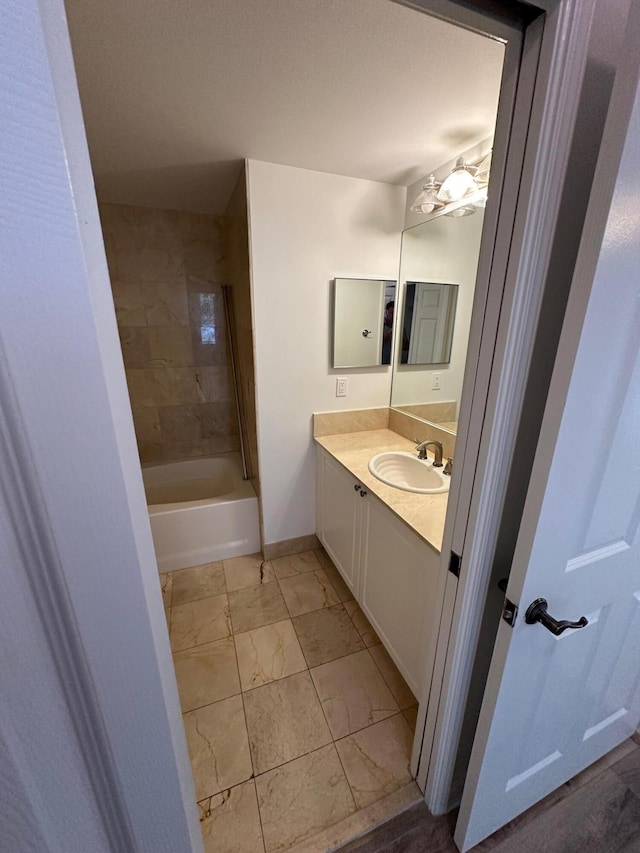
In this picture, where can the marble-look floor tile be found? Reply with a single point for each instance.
(301, 798)
(256, 606)
(296, 564)
(198, 582)
(411, 716)
(243, 572)
(353, 693)
(166, 585)
(199, 622)
(395, 682)
(307, 592)
(335, 578)
(268, 654)
(230, 821)
(327, 634)
(206, 673)
(284, 720)
(218, 746)
(369, 636)
(376, 759)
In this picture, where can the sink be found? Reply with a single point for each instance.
(406, 471)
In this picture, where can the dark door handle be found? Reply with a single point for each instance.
(537, 612)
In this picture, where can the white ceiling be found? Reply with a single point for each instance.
(176, 94)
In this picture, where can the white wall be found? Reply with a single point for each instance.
(443, 250)
(94, 753)
(307, 228)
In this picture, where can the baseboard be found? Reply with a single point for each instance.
(286, 547)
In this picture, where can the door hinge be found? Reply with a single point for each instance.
(454, 564)
(509, 612)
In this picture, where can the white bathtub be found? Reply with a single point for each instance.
(201, 510)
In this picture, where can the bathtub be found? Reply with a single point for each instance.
(201, 510)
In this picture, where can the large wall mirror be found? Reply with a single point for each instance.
(363, 320)
(438, 265)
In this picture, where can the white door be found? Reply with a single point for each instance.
(429, 323)
(555, 704)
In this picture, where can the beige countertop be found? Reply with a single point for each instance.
(423, 513)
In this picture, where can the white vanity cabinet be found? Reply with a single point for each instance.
(339, 507)
(391, 571)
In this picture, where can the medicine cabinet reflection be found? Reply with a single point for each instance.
(363, 312)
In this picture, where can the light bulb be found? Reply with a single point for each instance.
(458, 183)
(427, 199)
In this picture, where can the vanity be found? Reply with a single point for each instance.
(385, 543)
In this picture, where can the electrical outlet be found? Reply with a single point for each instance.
(341, 386)
(435, 381)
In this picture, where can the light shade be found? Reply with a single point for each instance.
(427, 199)
(484, 168)
(465, 210)
(457, 184)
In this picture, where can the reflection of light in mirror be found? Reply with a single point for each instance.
(207, 318)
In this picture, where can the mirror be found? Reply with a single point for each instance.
(363, 314)
(427, 322)
(438, 264)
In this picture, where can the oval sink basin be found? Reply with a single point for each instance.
(406, 471)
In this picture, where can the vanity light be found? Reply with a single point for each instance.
(484, 167)
(458, 183)
(427, 200)
(466, 210)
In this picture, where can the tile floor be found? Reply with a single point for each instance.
(295, 715)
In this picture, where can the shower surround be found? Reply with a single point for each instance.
(166, 270)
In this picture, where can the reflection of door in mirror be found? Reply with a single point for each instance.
(361, 325)
(438, 266)
(429, 314)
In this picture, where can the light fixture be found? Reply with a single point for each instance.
(484, 167)
(427, 200)
(465, 210)
(458, 183)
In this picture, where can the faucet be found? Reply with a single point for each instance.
(422, 452)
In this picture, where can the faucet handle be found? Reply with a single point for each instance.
(448, 468)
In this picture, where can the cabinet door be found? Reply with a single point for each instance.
(338, 517)
(399, 585)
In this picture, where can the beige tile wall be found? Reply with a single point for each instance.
(236, 242)
(163, 265)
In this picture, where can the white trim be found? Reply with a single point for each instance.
(559, 88)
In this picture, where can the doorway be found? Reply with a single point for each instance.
(475, 388)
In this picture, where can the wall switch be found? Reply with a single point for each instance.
(341, 386)
(435, 381)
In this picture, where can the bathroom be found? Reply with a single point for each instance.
(280, 237)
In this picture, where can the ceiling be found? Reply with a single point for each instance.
(176, 94)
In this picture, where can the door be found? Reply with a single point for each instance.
(430, 323)
(554, 704)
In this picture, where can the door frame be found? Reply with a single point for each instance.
(530, 255)
(66, 217)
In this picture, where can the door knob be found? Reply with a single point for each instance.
(537, 612)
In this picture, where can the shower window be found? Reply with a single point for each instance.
(207, 318)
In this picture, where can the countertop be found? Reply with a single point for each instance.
(424, 514)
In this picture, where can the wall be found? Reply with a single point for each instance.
(443, 250)
(236, 250)
(166, 268)
(306, 228)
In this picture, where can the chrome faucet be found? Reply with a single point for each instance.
(422, 452)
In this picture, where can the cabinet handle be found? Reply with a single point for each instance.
(362, 493)
(357, 487)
